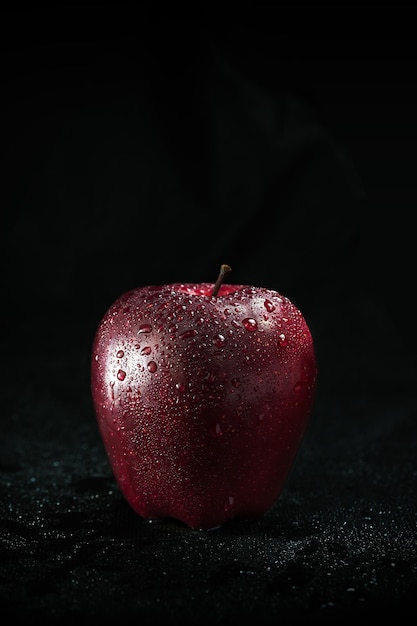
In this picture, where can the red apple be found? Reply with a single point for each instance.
(202, 395)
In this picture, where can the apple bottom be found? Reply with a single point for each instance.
(203, 480)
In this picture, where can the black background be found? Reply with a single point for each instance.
(148, 147)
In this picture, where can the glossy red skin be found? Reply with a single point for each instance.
(202, 416)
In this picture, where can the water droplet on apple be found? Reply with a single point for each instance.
(235, 382)
(229, 503)
(250, 324)
(210, 377)
(152, 367)
(120, 354)
(235, 324)
(144, 328)
(146, 350)
(283, 341)
(220, 341)
(269, 306)
(188, 334)
(180, 387)
(216, 430)
(121, 375)
(227, 312)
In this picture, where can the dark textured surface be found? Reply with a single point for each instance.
(124, 165)
(342, 537)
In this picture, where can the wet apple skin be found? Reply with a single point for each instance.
(202, 402)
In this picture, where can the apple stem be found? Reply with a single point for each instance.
(224, 270)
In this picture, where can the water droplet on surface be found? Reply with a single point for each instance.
(297, 387)
(250, 324)
(229, 503)
(235, 382)
(180, 387)
(216, 430)
(146, 350)
(121, 375)
(144, 328)
(227, 312)
(152, 367)
(188, 334)
(283, 341)
(220, 341)
(209, 377)
(269, 306)
(120, 354)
